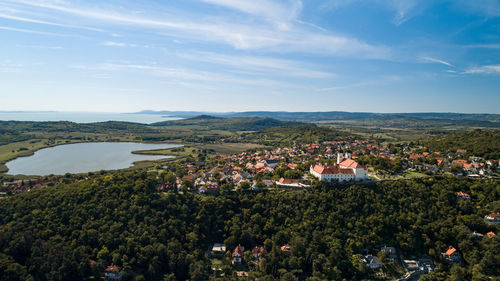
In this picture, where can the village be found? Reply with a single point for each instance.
(298, 167)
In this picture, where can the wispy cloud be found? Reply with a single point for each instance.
(484, 46)
(434, 60)
(485, 69)
(240, 34)
(42, 47)
(10, 67)
(116, 44)
(260, 65)
(7, 28)
(31, 20)
(371, 82)
(403, 9)
(488, 8)
(278, 12)
(183, 74)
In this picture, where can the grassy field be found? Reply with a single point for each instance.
(231, 147)
(194, 149)
(407, 175)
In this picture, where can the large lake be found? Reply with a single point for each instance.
(82, 158)
(82, 117)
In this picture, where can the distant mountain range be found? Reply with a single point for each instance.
(330, 115)
(208, 122)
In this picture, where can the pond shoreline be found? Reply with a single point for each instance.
(4, 169)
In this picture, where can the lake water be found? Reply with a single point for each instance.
(83, 157)
(82, 117)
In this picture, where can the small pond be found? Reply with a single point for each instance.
(83, 158)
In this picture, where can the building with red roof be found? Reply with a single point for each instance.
(113, 272)
(463, 196)
(345, 170)
(257, 251)
(452, 255)
(237, 255)
(492, 219)
(286, 248)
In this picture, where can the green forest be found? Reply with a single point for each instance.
(119, 218)
(480, 143)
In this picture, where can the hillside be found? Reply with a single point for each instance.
(414, 121)
(73, 232)
(297, 134)
(206, 122)
(484, 144)
(16, 131)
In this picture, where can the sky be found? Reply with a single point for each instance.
(242, 55)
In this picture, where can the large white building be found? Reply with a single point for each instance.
(345, 170)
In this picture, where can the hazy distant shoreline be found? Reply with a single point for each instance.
(81, 117)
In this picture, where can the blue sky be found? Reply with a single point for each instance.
(232, 55)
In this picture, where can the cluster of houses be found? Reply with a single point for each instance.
(218, 251)
(20, 186)
(435, 162)
(245, 166)
(373, 262)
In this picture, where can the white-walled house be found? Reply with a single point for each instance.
(360, 172)
(347, 170)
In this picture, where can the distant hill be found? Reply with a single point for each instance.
(477, 143)
(297, 134)
(335, 115)
(207, 122)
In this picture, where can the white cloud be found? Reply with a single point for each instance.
(238, 33)
(278, 12)
(262, 65)
(434, 60)
(116, 44)
(403, 9)
(485, 69)
(182, 74)
(488, 8)
(42, 47)
(484, 46)
(31, 20)
(7, 28)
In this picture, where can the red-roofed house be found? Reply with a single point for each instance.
(288, 181)
(452, 255)
(286, 248)
(463, 196)
(332, 173)
(238, 254)
(459, 163)
(346, 170)
(492, 219)
(258, 251)
(113, 272)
